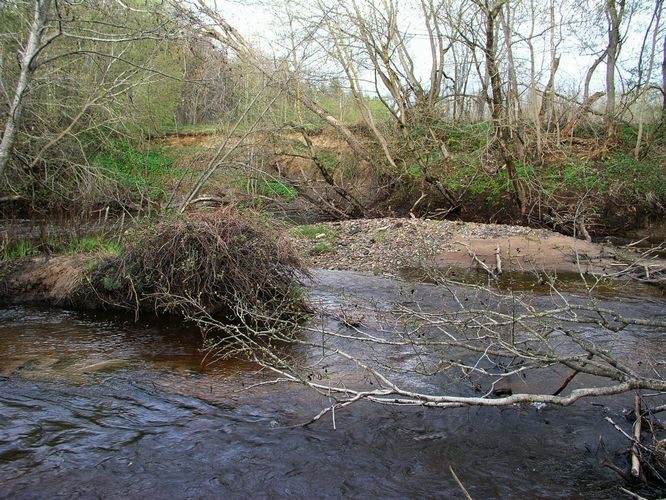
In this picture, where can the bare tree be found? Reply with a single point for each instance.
(615, 12)
(208, 22)
(79, 76)
(663, 81)
(34, 44)
(641, 85)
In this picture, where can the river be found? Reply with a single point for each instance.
(96, 406)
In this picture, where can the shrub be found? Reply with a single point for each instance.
(215, 264)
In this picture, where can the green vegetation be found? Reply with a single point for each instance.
(322, 238)
(17, 250)
(346, 109)
(199, 129)
(91, 244)
(322, 247)
(466, 137)
(85, 245)
(312, 231)
(640, 176)
(142, 171)
(270, 188)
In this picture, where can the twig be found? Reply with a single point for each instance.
(460, 485)
(498, 260)
(566, 382)
(632, 494)
(635, 452)
(483, 265)
(637, 242)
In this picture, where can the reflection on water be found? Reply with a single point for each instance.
(535, 282)
(94, 406)
(53, 343)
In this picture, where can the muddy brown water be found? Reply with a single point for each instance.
(95, 406)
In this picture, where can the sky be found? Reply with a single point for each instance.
(264, 28)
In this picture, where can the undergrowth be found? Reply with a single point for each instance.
(269, 188)
(141, 171)
(85, 245)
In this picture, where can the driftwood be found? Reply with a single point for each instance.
(635, 447)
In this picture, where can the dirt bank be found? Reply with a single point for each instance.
(51, 280)
(384, 246)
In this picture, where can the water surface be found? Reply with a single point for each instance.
(95, 406)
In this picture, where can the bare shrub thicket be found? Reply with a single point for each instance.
(218, 264)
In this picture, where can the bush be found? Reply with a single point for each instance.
(215, 264)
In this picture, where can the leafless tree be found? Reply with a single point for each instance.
(78, 75)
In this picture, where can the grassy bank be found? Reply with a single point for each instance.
(12, 250)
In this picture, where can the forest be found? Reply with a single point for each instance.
(531, 112)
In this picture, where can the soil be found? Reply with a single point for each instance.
(387, 245)
(50, 280)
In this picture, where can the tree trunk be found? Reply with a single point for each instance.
(614, 19)
(656, 17)
(663, 83)
(498, 112)
(32, 47)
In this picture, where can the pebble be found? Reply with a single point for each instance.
(383, 245)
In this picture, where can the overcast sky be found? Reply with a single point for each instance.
(263, 27)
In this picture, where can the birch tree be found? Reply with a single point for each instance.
(34, 44)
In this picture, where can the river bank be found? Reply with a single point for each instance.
(384, 246)
(387, 245)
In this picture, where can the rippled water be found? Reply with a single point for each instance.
(98, 407)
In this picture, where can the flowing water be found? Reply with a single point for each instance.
(95, 406)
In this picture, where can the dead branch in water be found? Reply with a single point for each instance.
(635, 447)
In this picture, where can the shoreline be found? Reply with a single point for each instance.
(387, 245)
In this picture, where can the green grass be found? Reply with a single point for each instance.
(322, 238)
(346, 110)
(17, 250)
(145, 171)
(311, 231)
(322, 247)
(92, 244)
(619, 172)
(640, 176)
(201, 129)
(466, 137)
(86, 245)
(270, 188)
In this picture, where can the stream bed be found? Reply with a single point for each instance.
(96, 406)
